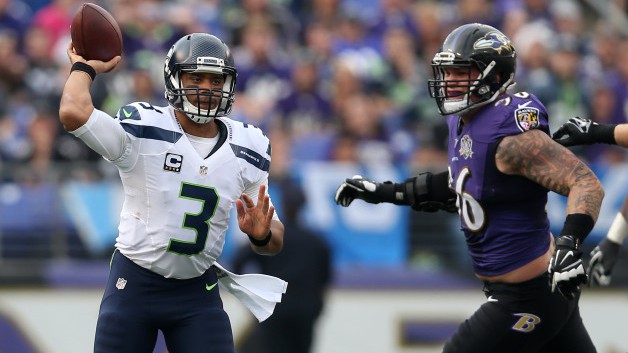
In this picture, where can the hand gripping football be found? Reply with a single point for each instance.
(95, 33)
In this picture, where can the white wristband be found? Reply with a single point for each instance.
(618, 230)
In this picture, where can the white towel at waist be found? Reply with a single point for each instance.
(257, 292)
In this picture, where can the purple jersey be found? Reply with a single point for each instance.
(503, 217)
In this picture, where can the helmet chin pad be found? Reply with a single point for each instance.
(456, 105)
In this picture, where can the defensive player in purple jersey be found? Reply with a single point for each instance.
(502, 163)
(583, 131)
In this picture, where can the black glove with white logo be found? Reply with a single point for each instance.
(370, 191)
(566, 269)
(583, 131)
(603, 258)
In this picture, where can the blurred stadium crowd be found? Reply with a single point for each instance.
(332, 80)
(327, 80)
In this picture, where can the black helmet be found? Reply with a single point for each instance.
(205, 53)
(470, 46)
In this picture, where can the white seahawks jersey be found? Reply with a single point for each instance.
(177, 202)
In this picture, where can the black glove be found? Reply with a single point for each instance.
(583, 131)
(370, 191)
(565, 268)
(603, 258)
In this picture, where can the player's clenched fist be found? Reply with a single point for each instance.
(565, 268)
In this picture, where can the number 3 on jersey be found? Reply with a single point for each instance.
(471, 211)
(198, 222)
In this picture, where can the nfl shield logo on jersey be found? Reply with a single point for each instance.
(203, 170)
(121, 283)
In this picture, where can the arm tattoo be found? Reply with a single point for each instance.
(534, 155)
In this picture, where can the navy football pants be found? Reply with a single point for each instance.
(523, 317)
(190, 316)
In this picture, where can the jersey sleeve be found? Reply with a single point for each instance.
(254, 152)
(103, 134)
(522, 111)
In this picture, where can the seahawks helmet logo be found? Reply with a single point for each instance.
(494, 40)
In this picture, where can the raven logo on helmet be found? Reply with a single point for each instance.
(495, 40)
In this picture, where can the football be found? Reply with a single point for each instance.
(95, 33)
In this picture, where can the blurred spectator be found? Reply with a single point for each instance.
(326, 12)
(535, 43)
(15, 17)
(43, 131)
(601, 109)
(538, 10)
(13, 65)
(565, 66)
(145, 26)
(345, 80)
(351, 35)
(599, 64)
(513, 20)
(360, 118)
(567, 17)
(41, 78)
(305, 110)
(429, 18)
(192, 16)
(404, 77)
(318, 44)
(54, 20)
(263, 73)
(19, 112)
(284, 23)
(305, 262)
(138, 84)
(480, 11)
(344, 149)
(394, 14)
(432, 151)
(620, 86)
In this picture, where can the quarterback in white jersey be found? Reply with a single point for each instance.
(183, 167)
(177, 202)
